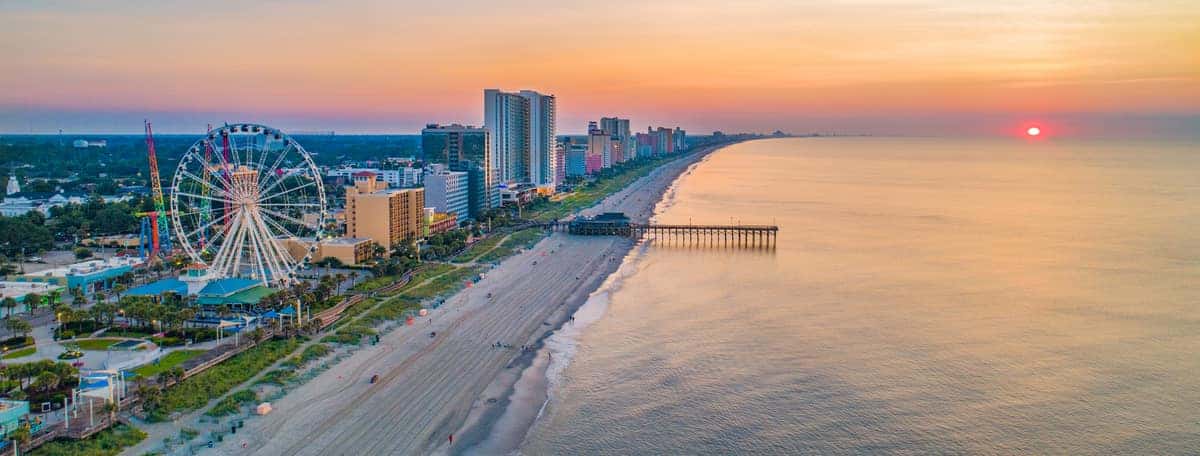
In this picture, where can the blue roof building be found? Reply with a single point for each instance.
(156, 289)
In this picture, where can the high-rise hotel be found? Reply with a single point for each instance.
(522, 129)
(467, 149)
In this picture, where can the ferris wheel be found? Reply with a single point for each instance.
(248, 202)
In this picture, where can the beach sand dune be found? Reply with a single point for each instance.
(427, 386)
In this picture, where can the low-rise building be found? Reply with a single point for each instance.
(518, 194)
(90, 276)
(348, 251)
(235, 293)
(441, 222)
(18, 291)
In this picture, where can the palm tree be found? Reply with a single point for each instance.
(52, 297)
(78, 298)
(18, 326)
(31, 302)
(118, 289)
(341, 279)
(9, 303)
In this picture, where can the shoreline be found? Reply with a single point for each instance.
(481, 425)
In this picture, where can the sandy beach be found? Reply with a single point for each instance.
(432, 387)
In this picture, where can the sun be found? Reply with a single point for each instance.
(1033, 131)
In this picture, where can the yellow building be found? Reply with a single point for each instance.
(349, 251)
(386, 216)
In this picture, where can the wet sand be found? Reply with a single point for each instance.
(429, 388)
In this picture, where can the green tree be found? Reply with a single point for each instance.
(32, 301)
(9, 303)
(78, 298)
(18, 326)
(83, 253)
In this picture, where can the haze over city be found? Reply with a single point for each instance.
(917, 67)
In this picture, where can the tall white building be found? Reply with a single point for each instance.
(542, 138)
(522, 130)
(446, 191)
(506, 118)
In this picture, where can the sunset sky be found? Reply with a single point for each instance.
(875, 66)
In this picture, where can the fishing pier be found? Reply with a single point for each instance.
(617, 224)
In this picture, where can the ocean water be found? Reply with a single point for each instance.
(927, 296)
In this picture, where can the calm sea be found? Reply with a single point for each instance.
(927, 296)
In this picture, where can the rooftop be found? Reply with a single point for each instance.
(89, 267)
(18, 289)
(344, 241)
(227, 287)
(249, 295)
(159, 287)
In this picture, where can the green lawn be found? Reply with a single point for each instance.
(95, 344)
(375, 282)
(20, 353)
(521, 239)
(165, 363)
(479, 248)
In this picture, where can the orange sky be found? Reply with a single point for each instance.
(756, 64)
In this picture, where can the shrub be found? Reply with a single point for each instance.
(167, 341)
(16, 342)
(105, 443)
(232, 403)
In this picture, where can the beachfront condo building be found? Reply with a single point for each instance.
(447, 191)
(506, 118)
(577, 159)
(599, 153)
(385, 216)
(542, 138)
(560, 162)
(467, 149)
(619, 129)
(522, 129)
